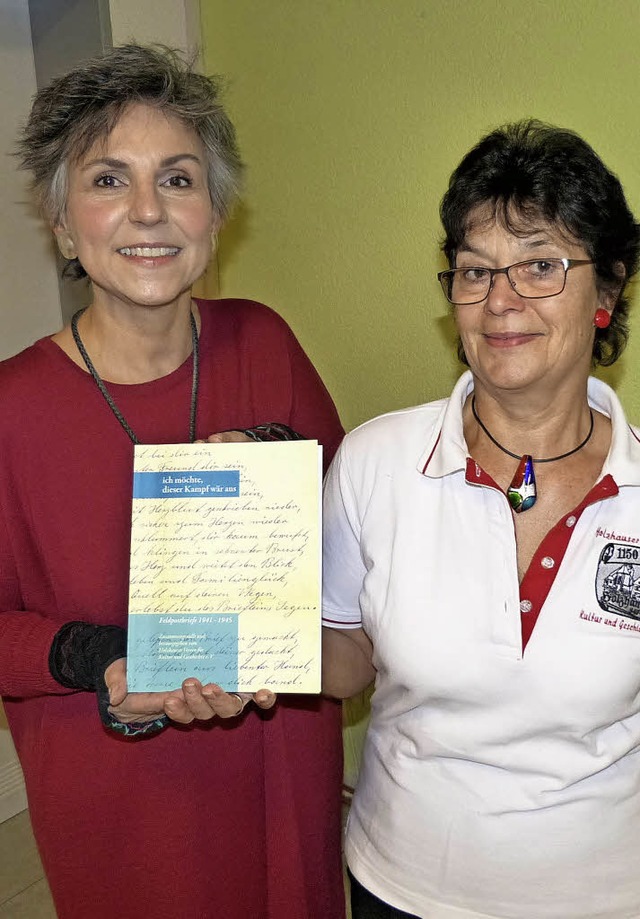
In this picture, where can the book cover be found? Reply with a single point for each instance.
(225, 567)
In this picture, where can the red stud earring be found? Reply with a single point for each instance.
(602, 319)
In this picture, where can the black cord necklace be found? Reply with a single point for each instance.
(107, 395)
(522, 491)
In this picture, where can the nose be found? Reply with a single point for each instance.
(502, 295)
(146, 204)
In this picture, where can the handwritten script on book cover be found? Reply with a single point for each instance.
(225, 566)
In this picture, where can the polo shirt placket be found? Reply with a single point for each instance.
(545, 564)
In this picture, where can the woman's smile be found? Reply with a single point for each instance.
(139, 215)
(516, 342)
(510, 339)
(149, 252)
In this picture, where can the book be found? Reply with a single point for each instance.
(225, 579)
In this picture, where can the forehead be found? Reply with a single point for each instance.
(516, 224)
(145, 129)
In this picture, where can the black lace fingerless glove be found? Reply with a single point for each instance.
(79, 656)
(271, 431)
(80, 653)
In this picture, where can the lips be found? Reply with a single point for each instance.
(148, 251)
(506, 340)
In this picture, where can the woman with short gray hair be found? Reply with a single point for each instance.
(195, 802)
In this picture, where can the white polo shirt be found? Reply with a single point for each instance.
(495, 783)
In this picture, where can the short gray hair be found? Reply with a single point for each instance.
(75, 110)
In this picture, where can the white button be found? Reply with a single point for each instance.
(547, 562)
(526, 606)
(570, 521)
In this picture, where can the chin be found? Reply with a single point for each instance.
(155, 298)
(508, 378)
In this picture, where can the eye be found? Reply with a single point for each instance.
(543, 268)
(108, 181)
(178, 181)
(473, 275)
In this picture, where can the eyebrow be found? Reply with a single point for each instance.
(536, 243)
(166, 163)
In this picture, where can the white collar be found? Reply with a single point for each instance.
(447, 452)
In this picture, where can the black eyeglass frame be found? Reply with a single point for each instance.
(445, 277)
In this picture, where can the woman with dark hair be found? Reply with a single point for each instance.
(482, 563)
(163, 808)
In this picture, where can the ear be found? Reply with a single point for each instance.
(608, 296)
(65, 242)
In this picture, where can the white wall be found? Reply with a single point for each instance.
(29, 301)
(175, 23)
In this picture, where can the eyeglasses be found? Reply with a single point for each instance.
(534, 279)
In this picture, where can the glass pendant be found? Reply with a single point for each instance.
(522, 491)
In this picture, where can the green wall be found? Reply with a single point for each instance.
(351, 115)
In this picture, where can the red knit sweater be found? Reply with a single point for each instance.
(221, 819)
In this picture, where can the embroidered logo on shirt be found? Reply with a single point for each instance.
(618, 579)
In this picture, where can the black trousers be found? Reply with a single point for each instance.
(365, 906)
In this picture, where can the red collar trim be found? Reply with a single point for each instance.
(424, 468)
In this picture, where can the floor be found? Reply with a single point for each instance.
(24, 893)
